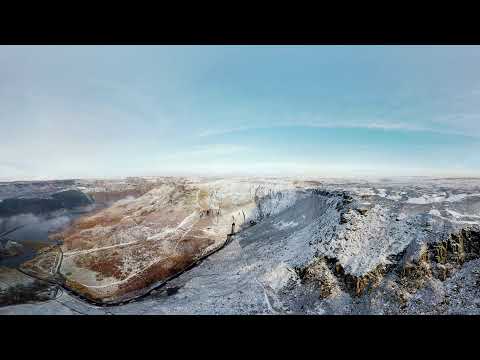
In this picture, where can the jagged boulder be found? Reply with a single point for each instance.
(319, 274)
(362, 211)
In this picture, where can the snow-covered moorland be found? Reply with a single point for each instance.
(320, 246)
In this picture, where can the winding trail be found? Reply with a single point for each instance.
(61, 285)
(157, 286)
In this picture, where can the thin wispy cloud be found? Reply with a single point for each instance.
(109, 111)
(387, 126)
(208, 151)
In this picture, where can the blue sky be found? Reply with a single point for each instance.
(107, 111)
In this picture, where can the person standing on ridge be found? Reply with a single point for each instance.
(233, 226)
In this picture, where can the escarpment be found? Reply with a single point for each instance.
(274, 246)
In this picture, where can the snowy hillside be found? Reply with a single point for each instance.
(298, 246)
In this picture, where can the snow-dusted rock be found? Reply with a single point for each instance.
(392, 237)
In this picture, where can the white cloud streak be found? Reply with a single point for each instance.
(374, 125)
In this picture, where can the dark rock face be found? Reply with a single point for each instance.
(362, 211)
(63, 200)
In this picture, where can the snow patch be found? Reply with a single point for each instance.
(394, 197)
(279, 277)
(382, 192)
(457, 215)
(437, 198)
(366, 192)
(284, 225)
(435, 212)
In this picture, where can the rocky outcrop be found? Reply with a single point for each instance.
(441, 258)
(319, 274)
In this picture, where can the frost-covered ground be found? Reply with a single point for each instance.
(332, 246)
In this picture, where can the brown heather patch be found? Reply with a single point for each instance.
(107, 265)
(74, 240)
(78, 242)
(82, 223)
(142, 251)
(157, 272)
(193, 246)
(96, 220)
(187, 253)
(83, 290)
(43, 263)
(111, 196)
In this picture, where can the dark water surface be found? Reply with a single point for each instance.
(35, 231)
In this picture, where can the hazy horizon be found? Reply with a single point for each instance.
(315, 111)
